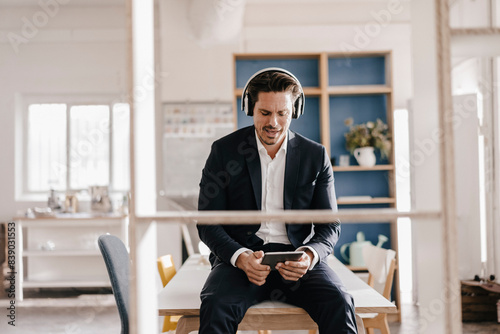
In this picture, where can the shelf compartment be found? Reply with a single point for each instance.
(361, 109)
(361, 168)
(42, 253)
(306, 69)
(360, 70)
(65, 268)
(70, 223)
(359, 90)
(69, 283)
(371, 231)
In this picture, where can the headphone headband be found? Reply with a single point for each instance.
(299, 103)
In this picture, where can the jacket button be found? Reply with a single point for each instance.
(249, 233)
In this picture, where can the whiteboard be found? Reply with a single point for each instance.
(189, 129)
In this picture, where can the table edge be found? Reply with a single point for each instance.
(275, 310)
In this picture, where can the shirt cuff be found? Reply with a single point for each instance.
(315, 255)
(236, 254)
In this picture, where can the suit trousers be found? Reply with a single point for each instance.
(228, 294)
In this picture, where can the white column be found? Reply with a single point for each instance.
(435, 253)
(142, 86)
(144, 303)
(142, 83)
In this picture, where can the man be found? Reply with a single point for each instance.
(268, 167)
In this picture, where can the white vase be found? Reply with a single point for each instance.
(365, 156)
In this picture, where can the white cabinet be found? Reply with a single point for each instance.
(62, 252)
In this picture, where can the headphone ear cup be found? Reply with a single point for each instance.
(298, 108)
(246, 109)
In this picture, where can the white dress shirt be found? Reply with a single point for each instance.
(273, 187)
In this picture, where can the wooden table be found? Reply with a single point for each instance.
(181, 296)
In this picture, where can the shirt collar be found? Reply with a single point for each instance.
(262, 149)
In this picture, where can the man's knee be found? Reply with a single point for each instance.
(211, 301)
(348, 298)
(224, 306)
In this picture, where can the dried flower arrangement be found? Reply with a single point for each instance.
(375, 134)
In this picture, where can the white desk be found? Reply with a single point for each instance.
(181, 296)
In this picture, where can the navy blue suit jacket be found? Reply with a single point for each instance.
(231, 180)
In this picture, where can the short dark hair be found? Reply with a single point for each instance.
(272, 81)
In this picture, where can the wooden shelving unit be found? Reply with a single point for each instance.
(61, 252)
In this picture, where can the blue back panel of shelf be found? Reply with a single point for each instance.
(362, 108)
(356, 71)
(366, 183)
(371, 231)
(307, 125)
(305, 69)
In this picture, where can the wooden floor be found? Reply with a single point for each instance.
(55, 313)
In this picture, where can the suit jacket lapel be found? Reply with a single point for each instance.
(254, 169)
(291, 170)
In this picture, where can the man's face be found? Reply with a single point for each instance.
(272, 115)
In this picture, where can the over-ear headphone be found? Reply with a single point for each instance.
(299, 103)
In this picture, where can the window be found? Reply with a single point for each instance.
(70, 145)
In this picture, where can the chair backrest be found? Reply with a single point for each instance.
(192, 241)
(188, 235)
(117, 262)
(166, 268)
(381, 264)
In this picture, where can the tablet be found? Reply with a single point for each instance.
(272, 258)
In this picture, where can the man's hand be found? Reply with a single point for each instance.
(249, 262)
(294, 270)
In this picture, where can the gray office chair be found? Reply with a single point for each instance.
(117, 262)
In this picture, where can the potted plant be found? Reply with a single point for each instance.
(362, 139)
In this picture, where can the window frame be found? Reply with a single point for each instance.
(23, 103)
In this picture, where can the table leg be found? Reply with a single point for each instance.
(188, 324)
(361, 326)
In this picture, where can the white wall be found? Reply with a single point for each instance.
(468, 190)
(74, 50)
